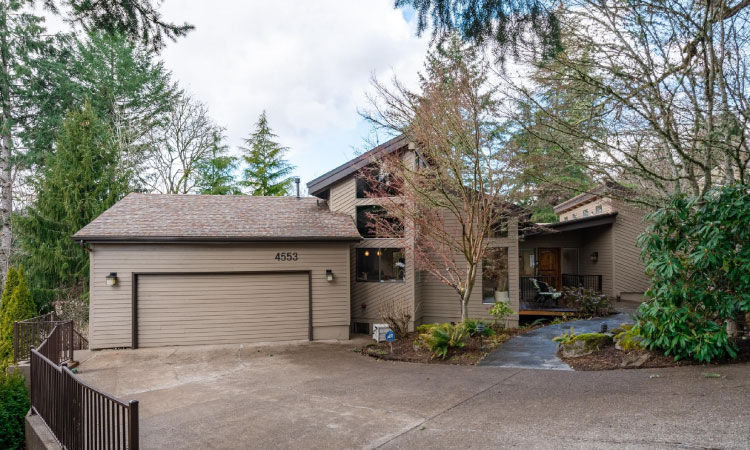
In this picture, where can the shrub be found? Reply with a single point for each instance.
(574, 345)
(500, 311)
(14, 403)
(443, 337)
(587, 301)
(397, 314)
(628, 340)
(697, 254)
(17, 305)
(470, 326)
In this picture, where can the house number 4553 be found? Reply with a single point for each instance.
(286, 256)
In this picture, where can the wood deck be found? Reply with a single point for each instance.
(538, 309)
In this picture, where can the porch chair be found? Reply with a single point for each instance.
(544, 292)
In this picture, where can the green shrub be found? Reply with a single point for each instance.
(587, 301)
(500, 311)
(14, 404)
(17, 305)
(697, 254)
(443, 337)
(628, 340)
(426, 328)
(470, 326)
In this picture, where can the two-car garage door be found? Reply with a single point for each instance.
(206, 308)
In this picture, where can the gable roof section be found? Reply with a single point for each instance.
(601, 190)
(215, 218)
(323, 182)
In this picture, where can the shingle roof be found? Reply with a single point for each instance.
(158, 217)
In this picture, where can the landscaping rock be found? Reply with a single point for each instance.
(635, 360)
(628, 340)
(585, 344)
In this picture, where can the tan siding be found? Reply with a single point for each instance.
(599, 239)
(605, 202)
(630, 273)
(441, 303)
(343, 197)
(111, 307)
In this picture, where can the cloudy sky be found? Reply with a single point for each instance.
(307, 63)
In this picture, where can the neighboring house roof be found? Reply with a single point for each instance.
(323, 182)
(166, 218)
(602, 190)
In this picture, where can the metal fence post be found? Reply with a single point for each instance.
(133, 425)
(15, 343)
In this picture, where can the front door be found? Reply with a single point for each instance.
(549, 266)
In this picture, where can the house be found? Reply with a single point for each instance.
(186, 270)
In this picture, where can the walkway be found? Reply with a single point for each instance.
(536, 350)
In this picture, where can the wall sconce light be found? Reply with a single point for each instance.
(367, 252)
(112, 279)
(595, 257)
(329, 275)
(379, 253)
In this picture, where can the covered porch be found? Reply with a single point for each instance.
(569, 254)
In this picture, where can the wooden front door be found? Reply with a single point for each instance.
(549, 265)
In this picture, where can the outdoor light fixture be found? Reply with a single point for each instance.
(367, 252)
(379, 253)
(329, 275)
(112, 279)
(595, 257)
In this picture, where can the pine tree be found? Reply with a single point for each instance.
(81, 181)
(216, 173)
(20, 307)
(267, 172)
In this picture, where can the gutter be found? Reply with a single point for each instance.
(207, 240)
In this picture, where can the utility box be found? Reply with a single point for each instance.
(379, 330)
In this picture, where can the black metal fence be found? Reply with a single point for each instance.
(528, 290)
(78, 415)
(591, 282)
(31, 333)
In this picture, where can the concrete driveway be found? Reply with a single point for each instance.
(326, 396)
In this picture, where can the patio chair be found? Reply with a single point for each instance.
(544, 292)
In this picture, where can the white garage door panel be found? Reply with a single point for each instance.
(221, 309)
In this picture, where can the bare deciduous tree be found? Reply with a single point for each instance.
(179, 146)
(668, 81)
(458, 192)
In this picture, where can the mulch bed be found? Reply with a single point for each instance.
(469, 354)
(609, 358)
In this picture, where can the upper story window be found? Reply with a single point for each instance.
(365, 179)
(381, 264)
(575, 216)
(598, 209)
(585, 213)
(366, 223)
(565, 218)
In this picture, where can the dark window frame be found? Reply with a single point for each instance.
(364, 224)
(382, 251)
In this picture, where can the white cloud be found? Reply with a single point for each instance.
(308, 64)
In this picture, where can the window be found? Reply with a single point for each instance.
(527, 263)
(381, 264)
(565, 218)
(585, 213)
(598, 209)
(366, 224)
(575, 216)
(384, 180)
(495, 276)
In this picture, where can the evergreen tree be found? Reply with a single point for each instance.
(216, 173)
(11, 280)
(81, 181)
(23, 47)
(20, 307)
(267, 172)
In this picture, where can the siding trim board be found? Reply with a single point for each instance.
(134, 287)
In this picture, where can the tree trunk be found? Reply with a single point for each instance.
(6, 185)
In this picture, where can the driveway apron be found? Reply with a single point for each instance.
(536, 350)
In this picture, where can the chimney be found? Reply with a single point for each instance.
(296, 181)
